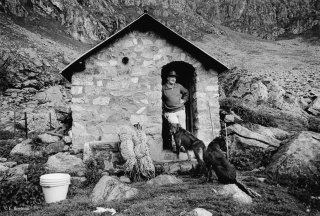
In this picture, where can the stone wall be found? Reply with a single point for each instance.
(110, 93)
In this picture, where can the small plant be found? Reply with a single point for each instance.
(22, 193)
(5, 147)
(5, 135)
(93, 172)
(5, 79)
(251, 158)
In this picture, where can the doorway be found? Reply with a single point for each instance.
(186, 76)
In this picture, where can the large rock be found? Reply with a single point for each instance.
(18, 172)
(197, 212)
(297, 160)
(47, 138)
(111, 189)
(164, 180)
(65, 163)
(54, 148)
(251, 138)
(25, 148)
(273, 132)
(52, 94)
(236, 193)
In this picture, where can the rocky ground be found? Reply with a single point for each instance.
(286, 96)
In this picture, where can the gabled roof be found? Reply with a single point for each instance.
(144, 23)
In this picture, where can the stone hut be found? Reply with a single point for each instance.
(119, 81)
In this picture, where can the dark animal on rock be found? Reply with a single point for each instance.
(187, 141)
(216, 161)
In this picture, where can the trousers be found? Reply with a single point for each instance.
(178, 117)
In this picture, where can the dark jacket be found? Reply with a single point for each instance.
(171, 97)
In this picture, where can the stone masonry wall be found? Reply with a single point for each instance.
(109, 93)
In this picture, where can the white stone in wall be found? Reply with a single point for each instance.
(76, 90)
(135, 41)
(154, 96)
(183, 56)
(147, 63)
(142, 119)
(147, 55)
(92, 90)
(82, 80)
(110, 137)
(159, 42)
(102, 64)
(157, 57)
(101, 101)
(145, 101)
(141, 110)
(212, 88)
(99, 83)
(165, 50)
(146, 41)
(76, 108)
(138, 71)
(128, 43)
(113, 62)
(80, 100)
(158, 87)
(134, 79)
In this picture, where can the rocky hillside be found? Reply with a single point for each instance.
(39, 38)
(89, 20)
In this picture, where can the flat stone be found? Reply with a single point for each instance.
(47, 138)
(9, 164)
(164, 180)
(111, 189)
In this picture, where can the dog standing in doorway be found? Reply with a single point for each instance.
(187, 141)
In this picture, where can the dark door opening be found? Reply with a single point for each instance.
(187, 78)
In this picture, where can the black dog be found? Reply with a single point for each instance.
(187, 141)
(215, 161)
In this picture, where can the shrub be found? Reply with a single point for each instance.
(5, 135)
(250, 159)
(247, 114)
(93, 172)
(5, 80)
(22, 193)
(5, 147)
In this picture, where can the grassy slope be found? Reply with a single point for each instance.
(293, 62)
(175, 199)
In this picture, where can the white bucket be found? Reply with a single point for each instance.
(55, 186)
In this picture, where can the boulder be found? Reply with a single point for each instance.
(273, 132)
(297, 160)
(24, 148)
(197, 212)
(164, 180)
(9, 164)
(111, 189)
(236, 193)
(3, 170)
(314, 107)
(125, 179)
(54, 148)
(18, 172)
(52, 94)
(3, 160)
(65, 163)
(250, 138)
(47, 138)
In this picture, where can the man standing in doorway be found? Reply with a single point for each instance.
(174, 96)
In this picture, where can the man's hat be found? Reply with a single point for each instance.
(172, 73)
